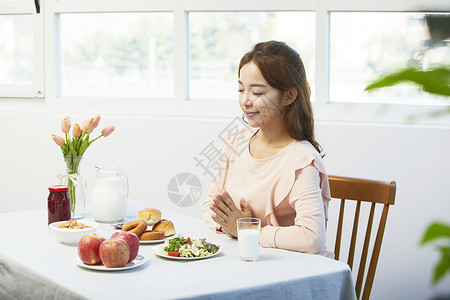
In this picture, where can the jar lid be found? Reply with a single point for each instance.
(58, 188)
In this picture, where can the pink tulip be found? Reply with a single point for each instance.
(65, 125)
(58, 140)
(108, 130)
(76, 131)
(88, 125)
(96, 121)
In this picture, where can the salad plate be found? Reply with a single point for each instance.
(138, 261)
(159, 241)
(159, 251)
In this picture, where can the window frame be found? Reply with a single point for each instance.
(180, 105)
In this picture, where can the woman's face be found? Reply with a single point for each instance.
(260, 102)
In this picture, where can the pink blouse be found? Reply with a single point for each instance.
(288, 191)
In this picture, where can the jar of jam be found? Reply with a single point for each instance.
(58, 203)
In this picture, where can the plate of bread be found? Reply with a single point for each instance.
(157, 241)
(149, 227)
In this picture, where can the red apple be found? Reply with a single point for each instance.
(132, 241)
(88, 248)
(114, 253)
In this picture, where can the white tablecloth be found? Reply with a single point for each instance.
(35, 265)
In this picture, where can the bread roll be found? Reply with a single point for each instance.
(149, 215)
(137, 227)
(151, 235)
(165, 226)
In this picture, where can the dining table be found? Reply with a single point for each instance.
(34, 264)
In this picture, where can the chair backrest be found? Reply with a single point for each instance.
(376, 192)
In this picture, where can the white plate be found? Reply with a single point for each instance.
(159, 251)
(139, 260)
(159, 241)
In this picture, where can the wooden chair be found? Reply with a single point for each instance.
(362, 190)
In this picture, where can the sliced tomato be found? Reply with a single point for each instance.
(187, 240)
(173, 253)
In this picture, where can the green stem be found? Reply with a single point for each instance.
(73, 163)
(95, 139)
(72, 196)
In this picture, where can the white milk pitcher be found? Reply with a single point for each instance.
(109, 197)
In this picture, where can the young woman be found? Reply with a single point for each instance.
(279, 176)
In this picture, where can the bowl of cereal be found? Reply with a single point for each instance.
(70, 232)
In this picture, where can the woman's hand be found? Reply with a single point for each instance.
(226, 213)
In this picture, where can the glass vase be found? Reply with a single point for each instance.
(76, 184)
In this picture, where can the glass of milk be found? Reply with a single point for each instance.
(248, 238)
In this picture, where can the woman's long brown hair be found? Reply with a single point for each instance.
(282, 68)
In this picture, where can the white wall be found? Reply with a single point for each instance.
(154, 149)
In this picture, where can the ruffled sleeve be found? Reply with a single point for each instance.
(304, 184)
(303, 156)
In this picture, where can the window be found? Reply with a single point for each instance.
(217, 41)
(21, 50)
(116, 55)
(16, 46)
(366, 45)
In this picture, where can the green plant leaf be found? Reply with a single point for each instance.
(434, 231)
(74, 145)
(64, 149)
(71, 151)
(434, 81)
(443, 266)
(83, 146)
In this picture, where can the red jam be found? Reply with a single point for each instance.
(58, 203)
